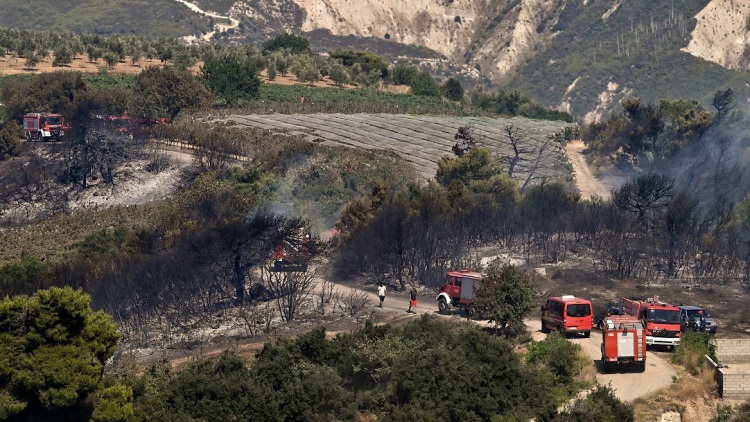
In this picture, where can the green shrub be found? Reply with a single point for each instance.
(403, 74)
(231, 77)
(367, 60)
(290, 42)
(452, 89)
(601, 405)
(693, 347)
(557, 354)
(11, 135)
(726, 413)
(424, 85)
(24, 277)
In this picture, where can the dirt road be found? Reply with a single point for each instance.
(627, 385)
(587, 183)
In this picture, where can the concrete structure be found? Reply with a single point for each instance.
(732, 370)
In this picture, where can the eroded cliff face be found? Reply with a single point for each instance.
(721, 34)
(497, 35)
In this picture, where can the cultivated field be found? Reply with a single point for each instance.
(422, 140)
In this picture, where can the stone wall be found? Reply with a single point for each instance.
(733, 368)
(732, 350)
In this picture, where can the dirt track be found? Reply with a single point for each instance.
(587, 184)
(627, 385)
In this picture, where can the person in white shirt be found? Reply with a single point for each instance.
(381, 293)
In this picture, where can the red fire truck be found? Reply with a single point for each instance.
(623, 342)
(293, 256)
(458, 291)
(661, 319)
(44, 126)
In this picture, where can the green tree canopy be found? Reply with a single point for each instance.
(452, 89)
(505, 296)
(164, 92)
(424, 84)
(403, 74)
(477, 164)
(367, 60)
(232, 77)
(55, 92)
(53, 347)
(291, 42)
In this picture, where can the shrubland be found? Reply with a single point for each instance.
(171, 266)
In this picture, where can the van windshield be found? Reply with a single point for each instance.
(578, 310)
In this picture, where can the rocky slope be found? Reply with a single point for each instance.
(721, 34)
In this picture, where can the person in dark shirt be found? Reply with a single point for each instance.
(412, 300)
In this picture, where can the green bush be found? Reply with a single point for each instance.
(403, 372)
(211, 391)
(24, 277)
(601, 405)
(557, 354)
(452, 89)
(425, 85)
(164, 92)
(290, 42)
(726, 413)
(231, 77)
(693, 347)
(367, 60)
(11, 139)
(403, 74)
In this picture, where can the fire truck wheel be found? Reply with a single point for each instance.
(545, 329)
(607, 367)
(443, 306)
(587, 334)
(642, 366)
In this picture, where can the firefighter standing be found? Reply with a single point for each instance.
(701, 321)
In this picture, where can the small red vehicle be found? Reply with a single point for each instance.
(458, 291)
(623, 342)
(44, 126)
(293, 256)
(122, 125)
(568, 314)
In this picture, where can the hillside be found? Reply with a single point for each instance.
(578, 56)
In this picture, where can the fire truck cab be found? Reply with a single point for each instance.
(44, 126)
(458, 291)
(661, 319)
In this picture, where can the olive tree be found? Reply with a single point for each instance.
(505, 296)
(232, 77)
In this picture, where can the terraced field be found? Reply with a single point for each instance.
(422, 140)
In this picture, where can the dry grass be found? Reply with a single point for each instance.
(50, 239)
(694, 397)
(586, 367)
